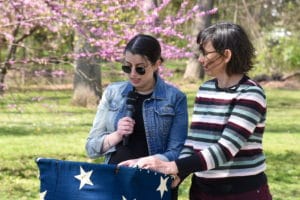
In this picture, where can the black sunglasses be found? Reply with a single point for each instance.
(140, 70)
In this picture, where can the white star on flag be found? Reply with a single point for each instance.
(123, 198)
(43, 194)
(84, 177)
(162, 186)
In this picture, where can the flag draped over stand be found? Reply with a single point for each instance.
(69, 180)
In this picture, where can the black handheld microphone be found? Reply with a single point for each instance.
(131, 99)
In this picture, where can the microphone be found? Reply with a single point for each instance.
(131, 99)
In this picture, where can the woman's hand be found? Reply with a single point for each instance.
(153, 163)
(129, 163)
(125, 126)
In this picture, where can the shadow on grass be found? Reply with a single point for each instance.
(16, 130)
(25, 167)
(37, 96)
(25, 129)
(20, 176)
(279, 129)
(21, 168)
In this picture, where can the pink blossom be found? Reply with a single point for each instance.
(100, 24)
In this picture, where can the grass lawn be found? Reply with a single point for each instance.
(44, 124)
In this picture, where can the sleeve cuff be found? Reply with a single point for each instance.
(161, 157)
(188, 165)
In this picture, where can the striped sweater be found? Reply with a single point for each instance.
(226, 131)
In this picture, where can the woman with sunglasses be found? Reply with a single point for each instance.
(158, 120)
(224, 145)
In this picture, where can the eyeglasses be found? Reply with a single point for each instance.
(204, 54)
(140, 70)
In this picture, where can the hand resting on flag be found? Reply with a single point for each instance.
(155, 164)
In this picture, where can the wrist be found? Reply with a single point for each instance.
(108, 142)
(118, 136)
(173, 168)
(112, 139)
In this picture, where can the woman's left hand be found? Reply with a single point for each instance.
(155, 164)
(129, 163)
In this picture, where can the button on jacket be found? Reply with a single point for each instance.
(165, 119)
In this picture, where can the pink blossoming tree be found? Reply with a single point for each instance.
(100, 30)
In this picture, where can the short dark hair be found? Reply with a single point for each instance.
(145, 45)
(226, 35)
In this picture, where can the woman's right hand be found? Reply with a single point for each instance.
(125, 126)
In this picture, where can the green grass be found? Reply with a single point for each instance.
(45, 124)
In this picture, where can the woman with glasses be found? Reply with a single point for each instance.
(142, 116)
(224, 145)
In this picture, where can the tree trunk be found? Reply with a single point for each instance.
(87, 76)
(193, 69)
(2, 80)
(12, 54)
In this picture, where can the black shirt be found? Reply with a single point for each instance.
(137, 143)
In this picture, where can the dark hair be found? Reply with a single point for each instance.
(226, 35)
(145, 45)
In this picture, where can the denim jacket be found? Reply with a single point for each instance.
(165, 119)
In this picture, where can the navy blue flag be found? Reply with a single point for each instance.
(69, 180)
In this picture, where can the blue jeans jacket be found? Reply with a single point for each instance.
(165, 119)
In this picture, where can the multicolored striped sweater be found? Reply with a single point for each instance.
(226, 131)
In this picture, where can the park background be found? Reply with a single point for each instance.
(56, 57)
